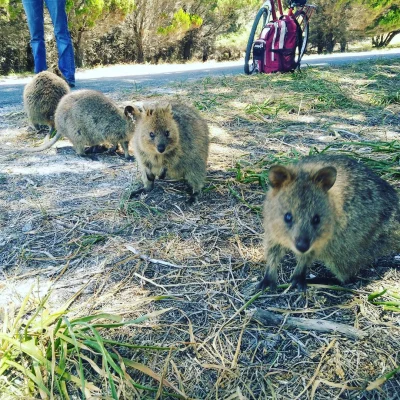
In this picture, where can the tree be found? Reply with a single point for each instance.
(84, 15)
(387, 26)
(377, 18)
(15, 51)
(219, 17)
(330, 25)
(173, 28)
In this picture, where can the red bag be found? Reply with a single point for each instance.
(275, 50)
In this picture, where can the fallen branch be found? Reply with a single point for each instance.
(320, 325)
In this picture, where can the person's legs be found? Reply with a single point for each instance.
(66, 61)
(34, 15)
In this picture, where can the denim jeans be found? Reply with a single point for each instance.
(34, 13)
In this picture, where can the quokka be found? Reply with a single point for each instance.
(172, 140)
(41, 97)
(89, 118)
(330, 209)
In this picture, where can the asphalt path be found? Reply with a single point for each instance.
(121, 78)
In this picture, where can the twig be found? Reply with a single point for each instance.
(330, 345)
(320, 325)
(89, 231)
(150, 281)
(152, 260)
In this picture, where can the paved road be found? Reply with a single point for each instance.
(116, 79)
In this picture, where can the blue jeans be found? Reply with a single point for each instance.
(34, 13)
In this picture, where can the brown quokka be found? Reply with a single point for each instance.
(330, 209)
(172, 140)
(41, 97)
(89, 118)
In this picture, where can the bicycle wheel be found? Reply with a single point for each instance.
(261, 19)
(302, 20)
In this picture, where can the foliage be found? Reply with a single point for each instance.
(388, 22)
(86, 14)
(330, 25)
(224, 17)
(15, 54)
(10, 10)
(377, 17)
(181, 23)
(83, 15)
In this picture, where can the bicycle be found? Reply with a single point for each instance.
(264, 14)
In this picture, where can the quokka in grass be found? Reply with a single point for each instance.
(89, 118)
(171, 140)
(331, 209)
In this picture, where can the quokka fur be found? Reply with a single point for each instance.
(89, 118)
(172, 140)
(330, 209)
(41, 97)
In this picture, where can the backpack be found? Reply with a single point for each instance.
(275, 49)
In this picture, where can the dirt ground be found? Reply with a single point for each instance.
(67, 222)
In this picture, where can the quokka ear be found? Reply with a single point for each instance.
(164, 108)
(325, 178)
(148, 109)
(131, 112)
(279, 175)
(149, 112)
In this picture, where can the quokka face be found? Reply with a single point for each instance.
(159, 132)
(298, 212)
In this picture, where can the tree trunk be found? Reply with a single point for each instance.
(330, 43)
(139, 50)
(187, 47)
(138, 35)
(380, 41)
(78, 49)
(30, 64)
(205, 53)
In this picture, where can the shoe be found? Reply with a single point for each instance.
(71, 84)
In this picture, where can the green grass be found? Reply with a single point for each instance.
(381, 157)
(136, 208)
(388, 299)
(52, 355)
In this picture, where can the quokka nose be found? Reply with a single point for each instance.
(302, 244)
(161, 148)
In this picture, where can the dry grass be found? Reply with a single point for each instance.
(67, 222)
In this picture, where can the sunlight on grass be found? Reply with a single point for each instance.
(48, 354)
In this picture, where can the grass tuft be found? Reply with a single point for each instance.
(45, 353)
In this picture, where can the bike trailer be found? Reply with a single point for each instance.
(275, 49)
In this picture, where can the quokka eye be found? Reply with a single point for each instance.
(316, 219)
(166, 133)
(288, 218)
(152, 135)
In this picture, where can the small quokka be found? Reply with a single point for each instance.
(172, 140)
(41, 97)
(330, 209)
(89, 118)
